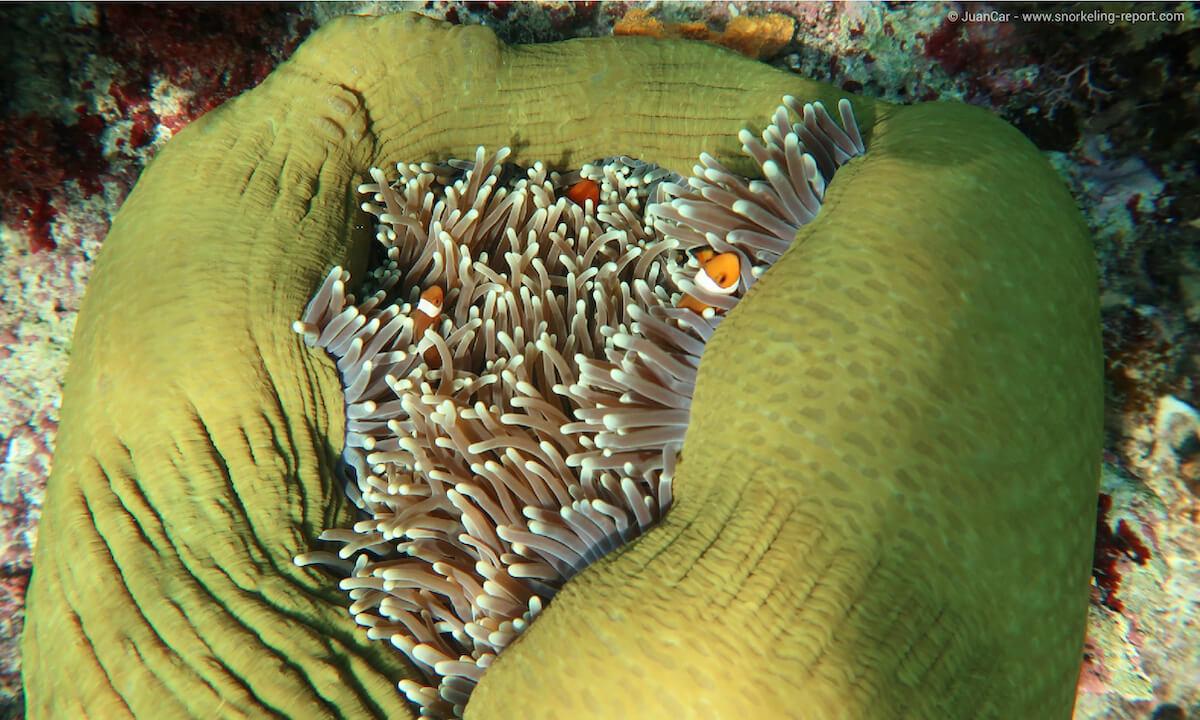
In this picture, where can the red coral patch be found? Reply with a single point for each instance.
(1109, 550)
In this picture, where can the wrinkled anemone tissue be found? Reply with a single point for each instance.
(519, 372)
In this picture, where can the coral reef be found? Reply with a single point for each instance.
(758, 37)
(1141, 650)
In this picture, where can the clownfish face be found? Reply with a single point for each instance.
(718, 274)
(430, 304)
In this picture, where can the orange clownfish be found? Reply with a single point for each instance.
(584, 190)
(428, 310)
(718, 274)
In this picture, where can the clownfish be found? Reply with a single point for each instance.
(584, 190)
(718, 274)
(429, 309)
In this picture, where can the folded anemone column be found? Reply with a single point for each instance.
(882, 505)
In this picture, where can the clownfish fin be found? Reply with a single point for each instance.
(689, 302)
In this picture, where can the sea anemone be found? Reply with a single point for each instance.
(886, 493)
(519, 376)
